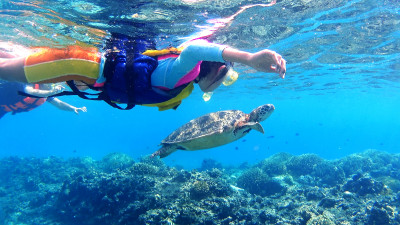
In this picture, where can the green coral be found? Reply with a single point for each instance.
(275, 165)
(378, 157)
(323, 219)
(199, 189)
(329, 173)
(144, 169)
(392, 183)
(155, 161)
(201, 185)
(257, 182)
(303, 164)
(116, 161)
(353, 163)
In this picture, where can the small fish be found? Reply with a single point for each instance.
(236, 188)
(271, 136)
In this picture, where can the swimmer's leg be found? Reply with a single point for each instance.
(12, 69)
(52, 66)
(64, 64)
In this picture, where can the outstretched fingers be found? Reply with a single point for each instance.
(83, 109)
(280, 65)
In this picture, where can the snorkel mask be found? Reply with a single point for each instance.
(230, 77)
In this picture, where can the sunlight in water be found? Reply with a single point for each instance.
(192, 1)
(86, 7)
(16, 50)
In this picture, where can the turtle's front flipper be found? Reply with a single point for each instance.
(255, 126)
(165, 151)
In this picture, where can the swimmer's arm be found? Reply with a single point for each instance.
(65, 106)
(12, 69)
(264, 60)
(201, 50)
(43, 93)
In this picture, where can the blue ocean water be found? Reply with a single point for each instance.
(340, 95)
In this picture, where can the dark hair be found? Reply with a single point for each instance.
(205, 68)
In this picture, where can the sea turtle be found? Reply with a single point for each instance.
(214, 129)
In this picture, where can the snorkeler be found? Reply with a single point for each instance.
(12, 102)
(131, 71)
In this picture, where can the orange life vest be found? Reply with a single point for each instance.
(25, 105)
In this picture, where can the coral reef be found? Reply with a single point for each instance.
(257, 182)
(282, 189)
(303, 164)
(363, 185)
(275, 165)
(115, 161)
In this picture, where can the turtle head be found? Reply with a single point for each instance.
(261, 113)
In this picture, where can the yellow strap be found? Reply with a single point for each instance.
(174, 102)
(166, 51)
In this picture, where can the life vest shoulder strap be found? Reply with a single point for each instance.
(163, 52)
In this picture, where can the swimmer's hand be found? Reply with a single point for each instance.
(264, 60)
(83, 109)
(268, 61)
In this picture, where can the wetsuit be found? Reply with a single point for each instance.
(173, 72)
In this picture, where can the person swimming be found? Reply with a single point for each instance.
(123, 73)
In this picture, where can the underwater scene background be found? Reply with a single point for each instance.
(329, 155)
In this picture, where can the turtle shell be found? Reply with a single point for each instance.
(206, 126)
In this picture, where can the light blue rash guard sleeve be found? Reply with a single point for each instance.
(169, 71)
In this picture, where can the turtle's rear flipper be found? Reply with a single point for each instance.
(256, 126)
(164, 151)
